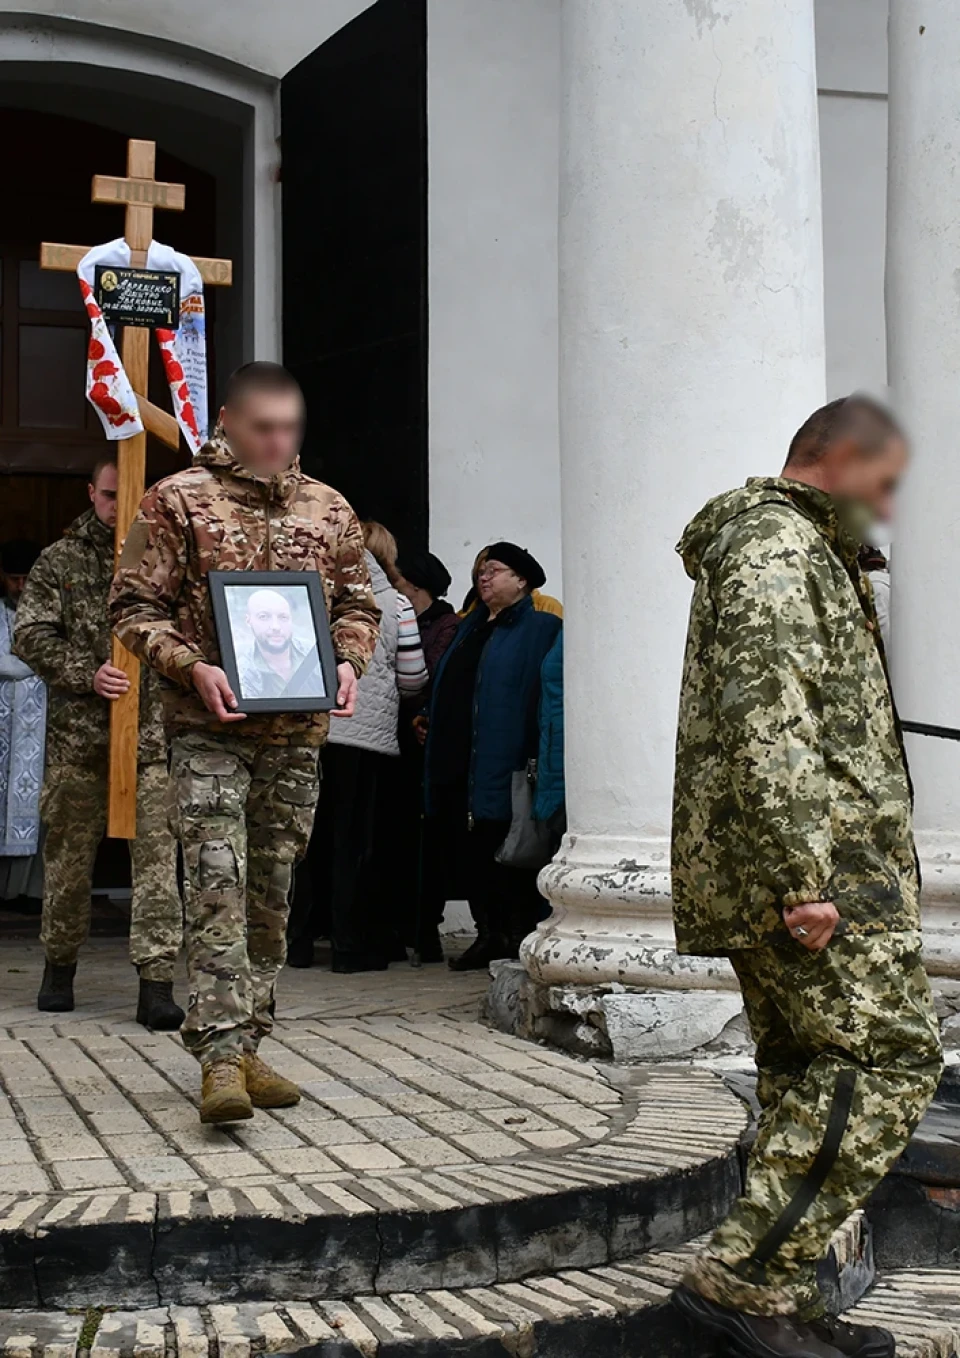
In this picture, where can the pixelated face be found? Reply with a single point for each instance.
(870, 477)
(265, 430)
(270, 620)
(103, 496)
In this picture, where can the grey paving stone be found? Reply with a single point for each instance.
(131, 1334)
(39, 1334)
(101, 1173)
(17, 1152)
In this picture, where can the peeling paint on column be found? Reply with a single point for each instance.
(705, 14)
(738, 241)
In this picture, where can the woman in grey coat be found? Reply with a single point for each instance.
(347, 880)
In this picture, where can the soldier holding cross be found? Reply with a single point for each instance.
(62, 633)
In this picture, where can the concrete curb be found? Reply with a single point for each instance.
(666, 1176)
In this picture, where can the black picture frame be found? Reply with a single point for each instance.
(312, 686)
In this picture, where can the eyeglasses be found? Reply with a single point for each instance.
(487, 572)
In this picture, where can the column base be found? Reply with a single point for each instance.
(602, 976)
(612, 921)
(616, 1022)
(940, 866)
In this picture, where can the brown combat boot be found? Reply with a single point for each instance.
(224, 1097)
(266, 1088)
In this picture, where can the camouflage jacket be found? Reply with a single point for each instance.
(63, 634)
(216, 515)
(791, 782)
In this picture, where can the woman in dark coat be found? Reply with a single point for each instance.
(419, 902)
(424, 579)
(483, 726)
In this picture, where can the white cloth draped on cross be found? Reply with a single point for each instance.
(184, 351)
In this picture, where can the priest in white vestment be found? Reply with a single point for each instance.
(23, 704)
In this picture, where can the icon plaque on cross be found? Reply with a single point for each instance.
(141, 193)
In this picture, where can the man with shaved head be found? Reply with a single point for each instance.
(275, 655)
(245, 786)
(793, 856)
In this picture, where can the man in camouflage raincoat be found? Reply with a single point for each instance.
(793, 855)
(245, 788)
(63, 634)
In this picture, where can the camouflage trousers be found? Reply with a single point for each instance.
(243, 813)
(848, 1057)
(73, 807)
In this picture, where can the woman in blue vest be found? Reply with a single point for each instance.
(483, 725)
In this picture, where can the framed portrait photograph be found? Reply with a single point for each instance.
(274, 638)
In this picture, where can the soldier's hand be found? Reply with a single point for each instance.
(812, 925)
(346, 691)
(214, 688)
(110, 682)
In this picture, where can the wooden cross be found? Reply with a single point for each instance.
(142, 194)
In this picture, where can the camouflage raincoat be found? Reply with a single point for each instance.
(216, 515)
(791, 784)
(63, 634)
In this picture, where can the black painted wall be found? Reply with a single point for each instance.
(354, 183)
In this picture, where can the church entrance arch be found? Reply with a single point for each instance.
(49, 435)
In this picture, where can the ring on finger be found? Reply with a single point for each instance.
(801, 932)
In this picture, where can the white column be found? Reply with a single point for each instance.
(692, 347)
(923, 349)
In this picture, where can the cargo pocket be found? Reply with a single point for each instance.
(210, 786)
(297, 790)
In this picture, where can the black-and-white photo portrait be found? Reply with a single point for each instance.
(274, 638)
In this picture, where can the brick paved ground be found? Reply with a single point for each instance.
(395, 1071)
(426, 1151)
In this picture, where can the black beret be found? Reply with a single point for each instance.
(518, 560)
(426, 571)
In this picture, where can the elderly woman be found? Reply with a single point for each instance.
(424, 579)
(543, 603)
(350, 864)
(482, 728)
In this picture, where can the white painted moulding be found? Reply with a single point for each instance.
(612, 922)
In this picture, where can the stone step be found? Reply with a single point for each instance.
(921, 1307)
(663, 1171)
(610, 1311)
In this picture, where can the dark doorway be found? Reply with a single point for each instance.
(353, 118)
(49, 435)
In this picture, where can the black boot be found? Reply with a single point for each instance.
(156, 1008)
(300, 952)
(429, 947)
(481, 953)
(346, 962)
(855, 1341)
(56, 988)
(753, 1336)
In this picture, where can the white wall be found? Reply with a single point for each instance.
(493, 95)
(270, 38)
(852, 75)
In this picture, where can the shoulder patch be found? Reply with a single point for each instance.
(135, 545)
